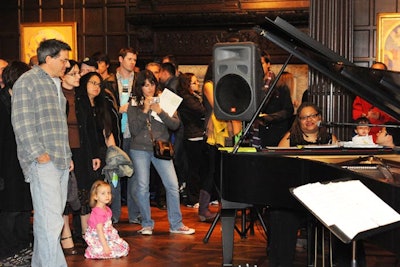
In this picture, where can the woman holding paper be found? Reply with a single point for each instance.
(141, 115)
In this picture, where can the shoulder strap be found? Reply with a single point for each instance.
(148, 121)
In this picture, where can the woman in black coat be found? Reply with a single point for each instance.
(84, 146)
(15, 197)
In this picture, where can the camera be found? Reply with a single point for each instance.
(155, 100)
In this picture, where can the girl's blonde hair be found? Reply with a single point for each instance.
(93, 191)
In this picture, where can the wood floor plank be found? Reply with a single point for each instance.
(172, 250)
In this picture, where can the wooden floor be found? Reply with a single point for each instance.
(171, 250)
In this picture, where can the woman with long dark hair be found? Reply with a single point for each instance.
(141, 116)
(108, 128)
(192, 113)
(284, 223)
(84, 147)
(306, 128)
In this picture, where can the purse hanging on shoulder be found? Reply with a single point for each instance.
(162, 149)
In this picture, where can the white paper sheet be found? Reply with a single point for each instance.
(169, 102)
(349, 205)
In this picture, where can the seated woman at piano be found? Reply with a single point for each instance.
(306, 128)
(283, 224)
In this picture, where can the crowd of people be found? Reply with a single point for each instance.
(60, 117)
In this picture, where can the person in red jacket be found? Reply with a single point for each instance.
(362, 108)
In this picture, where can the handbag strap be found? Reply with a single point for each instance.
(148, 124)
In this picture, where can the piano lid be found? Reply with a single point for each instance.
(380, 88)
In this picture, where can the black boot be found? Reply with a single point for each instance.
(204, 213)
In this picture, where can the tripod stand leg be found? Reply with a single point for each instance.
(211, 229)
(253, 218)
(261, 219)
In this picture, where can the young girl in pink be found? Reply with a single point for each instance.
(101, 237)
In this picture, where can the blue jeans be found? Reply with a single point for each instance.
(140, 187)
(133, 207)
(116, 201)
(49, 196)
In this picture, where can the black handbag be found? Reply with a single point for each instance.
(162, 149)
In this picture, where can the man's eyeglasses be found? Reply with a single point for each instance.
(63, 60)
(312, 116)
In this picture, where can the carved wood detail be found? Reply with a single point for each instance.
(191, 36)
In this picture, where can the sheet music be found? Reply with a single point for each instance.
(349, 206)
(169, 102)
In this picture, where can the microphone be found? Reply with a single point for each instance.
(325, 124)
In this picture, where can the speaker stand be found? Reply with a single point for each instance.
(242, 232)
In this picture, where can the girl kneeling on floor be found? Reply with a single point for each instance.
(101, 237)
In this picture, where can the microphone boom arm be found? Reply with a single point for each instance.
(331, 124)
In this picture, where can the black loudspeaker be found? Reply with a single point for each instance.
(238, 80)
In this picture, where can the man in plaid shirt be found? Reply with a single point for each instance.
(39, 120)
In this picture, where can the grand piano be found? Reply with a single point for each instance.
(265, 177)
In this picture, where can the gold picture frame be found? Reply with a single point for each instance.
(388, 40)
(33, 33)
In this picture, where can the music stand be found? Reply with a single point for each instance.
(348, 209)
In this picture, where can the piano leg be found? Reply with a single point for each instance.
(283, 236)
(228, 224)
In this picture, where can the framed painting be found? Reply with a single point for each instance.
(33, 33)
(388, 40)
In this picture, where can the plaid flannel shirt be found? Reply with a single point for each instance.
(38, 114)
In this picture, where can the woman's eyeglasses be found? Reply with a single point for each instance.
(94, 83)
(312, 116)
(73, 74)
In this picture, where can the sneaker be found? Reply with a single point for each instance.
(146, 231)
(192, 205)
(184, 230)
(214, 203)
(15, 261)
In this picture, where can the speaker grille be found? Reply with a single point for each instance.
(233, 94)
(238, 79)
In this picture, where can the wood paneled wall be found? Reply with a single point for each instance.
(365, 20)
(185, 28)
(331, 23)
(108, 25)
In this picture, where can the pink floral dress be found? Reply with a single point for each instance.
(118, 246)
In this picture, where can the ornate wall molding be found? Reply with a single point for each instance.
(190, 36)
(214, 19)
